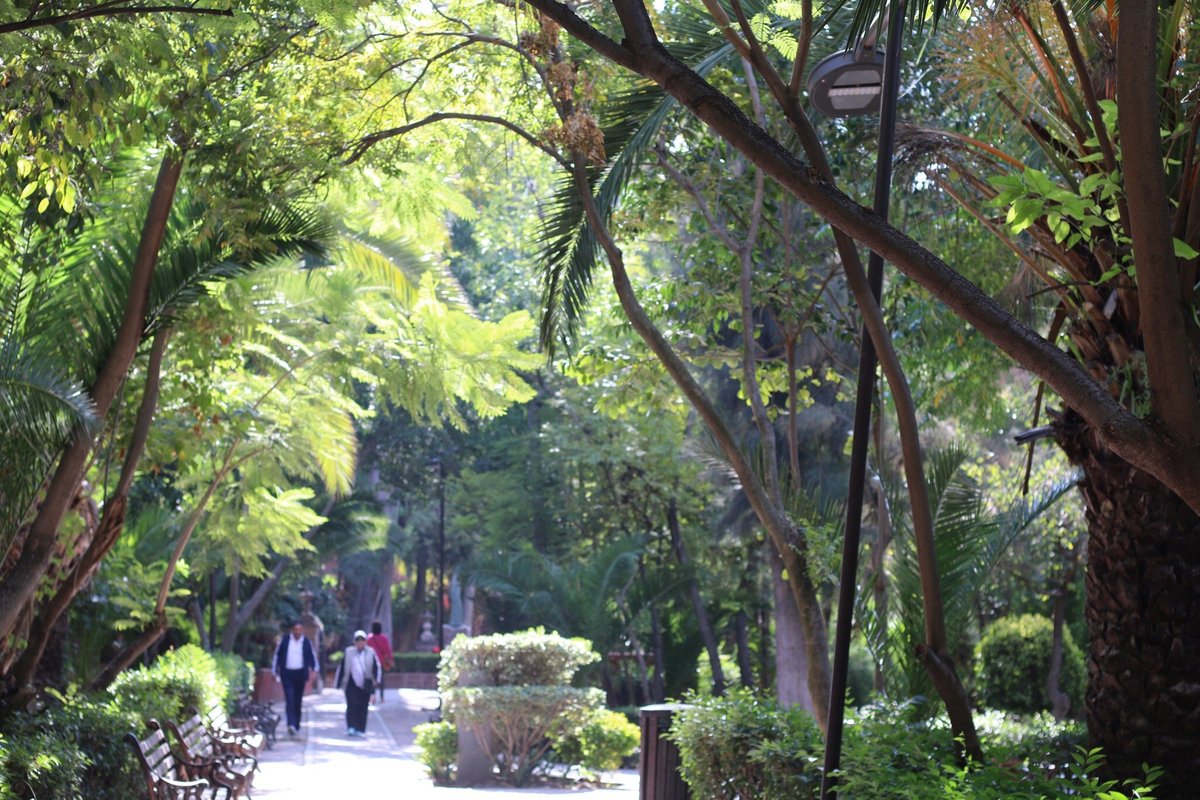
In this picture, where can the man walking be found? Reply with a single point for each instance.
(294, 661)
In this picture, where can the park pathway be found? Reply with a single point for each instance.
(323, 763)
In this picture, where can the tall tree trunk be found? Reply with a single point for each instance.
(702, 621)
(1143, 616)
(791, 662)
(787, 541)
(21, 582)
(112, 524)
(741, 632)
(1060, 702)
(195, 610)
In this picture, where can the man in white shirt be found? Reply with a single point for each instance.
(293, 663)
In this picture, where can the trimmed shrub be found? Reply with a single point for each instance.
(603, 742)
(516, 698)
(517, 724)
(527, 658)
(236, 672)
(438, 745)
(179, 679)
(416, 662)
(744, 746)
(1013, 660)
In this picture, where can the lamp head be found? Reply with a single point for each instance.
(849, 83)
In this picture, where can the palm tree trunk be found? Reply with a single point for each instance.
(21, 582)
(112, 523)
(1143, 616)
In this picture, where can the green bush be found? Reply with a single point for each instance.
(41, 765)
(522, 721)
(1013, 659)
(236, 672)
(416, 662)
(602, 742)
(527, 658)
(183, 678)
(747, 747)
(438, 746)
(744, 746)
(76, 744)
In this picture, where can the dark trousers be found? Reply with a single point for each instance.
(357, 700)
(294, 681)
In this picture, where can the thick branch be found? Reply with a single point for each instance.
(107, 10)
(1122, 431)
(1172, 392)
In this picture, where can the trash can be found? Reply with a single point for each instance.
(658, 766)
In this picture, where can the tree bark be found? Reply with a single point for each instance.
(129, 654)
(112, 524)
(1143, 616)
(791, 661)
(21, 582)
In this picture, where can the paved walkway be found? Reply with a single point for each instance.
(323, 763)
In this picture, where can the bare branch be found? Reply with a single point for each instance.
(367, 142)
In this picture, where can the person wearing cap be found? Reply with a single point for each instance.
(360, 670)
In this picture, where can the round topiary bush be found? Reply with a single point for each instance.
(1013, 660)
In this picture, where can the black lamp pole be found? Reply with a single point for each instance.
(441, 572)
(862, 413)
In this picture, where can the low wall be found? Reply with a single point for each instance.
(410, 680)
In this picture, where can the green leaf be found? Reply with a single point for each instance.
(1184, 250)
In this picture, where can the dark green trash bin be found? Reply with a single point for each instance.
(659, 763)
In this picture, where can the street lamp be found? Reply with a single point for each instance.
(441, 570)
(848, 83)
(853, 82)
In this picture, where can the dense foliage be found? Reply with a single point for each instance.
(1013, 661)
(74, 749)
(744, 746)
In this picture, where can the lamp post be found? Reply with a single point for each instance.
(441, 571)
(856, 82)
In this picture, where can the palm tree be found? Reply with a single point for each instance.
(1064, 207)
(194, 255)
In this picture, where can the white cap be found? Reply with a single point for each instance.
(360, 634)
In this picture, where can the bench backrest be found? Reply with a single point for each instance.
(155, 758)
(194, 741)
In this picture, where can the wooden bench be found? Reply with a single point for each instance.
(236, 736)
(210, 759)
(265, 718)
(164, 774)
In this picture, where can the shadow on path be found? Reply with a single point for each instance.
(323, 763)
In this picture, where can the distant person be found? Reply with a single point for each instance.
(294, 663)
(383, 648)
(360, 669)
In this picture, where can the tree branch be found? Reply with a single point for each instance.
(367, 142)
(107, 10)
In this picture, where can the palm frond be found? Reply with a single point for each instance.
(397, 266)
